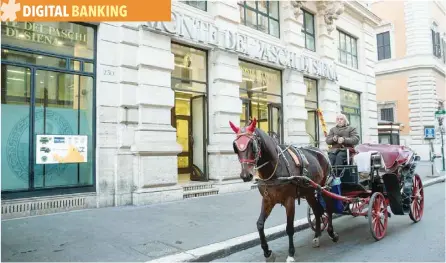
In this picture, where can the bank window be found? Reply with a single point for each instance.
(351, 108)
(260, 91)
(261, 15)
(308, 30)
(202, 5)
(311, 105)
(347, 48)
(38, 77)
(383, 45)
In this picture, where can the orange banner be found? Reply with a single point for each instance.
(86, 10)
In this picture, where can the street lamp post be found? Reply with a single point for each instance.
(440, 117)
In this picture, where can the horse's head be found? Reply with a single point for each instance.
(247, 147)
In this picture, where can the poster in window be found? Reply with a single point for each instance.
(56, 149)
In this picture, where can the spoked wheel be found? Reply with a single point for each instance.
(312, 219)
(378, 216)
(417, 199)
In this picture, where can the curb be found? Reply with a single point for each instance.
(237, 244)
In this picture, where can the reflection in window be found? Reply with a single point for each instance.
(29, 58)
(190, 71)
(311, 104)
(62, 38)
(261, 15)
(64, 106)
(351, 108)
(260, 91)
(347, 48)
(308, 30)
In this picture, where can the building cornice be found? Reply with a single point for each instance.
(368, 16)
(415, 62)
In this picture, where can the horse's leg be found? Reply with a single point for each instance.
(290, 213)
(330, 209)
(318, 211)
(267, 207)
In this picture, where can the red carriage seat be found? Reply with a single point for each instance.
(393, 155)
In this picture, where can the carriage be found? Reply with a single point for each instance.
(373, 178)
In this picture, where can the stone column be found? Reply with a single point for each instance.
(225, 105)
(422, 106)
(107, 102)
(369, 107)
(154, 145)
(294, 89)
(329, 97)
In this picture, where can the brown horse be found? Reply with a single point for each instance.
(282, 181)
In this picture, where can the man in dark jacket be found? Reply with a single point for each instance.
(341, 136)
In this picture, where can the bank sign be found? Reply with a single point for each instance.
(197, 30)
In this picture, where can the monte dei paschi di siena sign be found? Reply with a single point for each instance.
(197, 30)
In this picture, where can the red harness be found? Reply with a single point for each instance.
(241, 143)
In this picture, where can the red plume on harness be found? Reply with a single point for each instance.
(252, 126)
(234, 128)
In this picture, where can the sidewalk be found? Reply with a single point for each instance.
(138, 233)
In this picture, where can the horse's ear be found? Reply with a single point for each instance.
(234, 128)
(252, 126)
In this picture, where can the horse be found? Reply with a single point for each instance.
(278, 180)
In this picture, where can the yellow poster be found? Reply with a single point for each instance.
(54, 149)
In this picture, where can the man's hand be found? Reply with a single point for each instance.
(340, 140)
(335, 138)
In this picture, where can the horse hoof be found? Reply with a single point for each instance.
(335, 237)
(271, 258)
(290, 259)
(316, 242)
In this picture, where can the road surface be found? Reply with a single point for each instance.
(405, 241)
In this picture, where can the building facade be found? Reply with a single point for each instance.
(154, 98)
(411, 67)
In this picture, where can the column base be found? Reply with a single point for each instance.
(147, 196)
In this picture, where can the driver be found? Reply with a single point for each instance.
(339, 137)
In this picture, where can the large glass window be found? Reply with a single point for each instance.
(261, 92)
(308, 30)
(45, 93)
(351, 107)
(383, 45)
(348, 49)
(261, 15)
(311, 105)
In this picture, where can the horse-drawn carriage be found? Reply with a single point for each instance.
(373, 178)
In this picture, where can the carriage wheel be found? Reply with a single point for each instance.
(312, 219)
(378, 215)
(417, 199)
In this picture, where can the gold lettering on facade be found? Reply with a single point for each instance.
(40, 33)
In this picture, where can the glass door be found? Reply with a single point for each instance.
(274, 113)
(198, 142)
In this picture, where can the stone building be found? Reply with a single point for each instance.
(153, 99)
(410, 72)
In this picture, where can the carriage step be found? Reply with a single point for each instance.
(200, 193)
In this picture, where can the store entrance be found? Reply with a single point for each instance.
(189, 119)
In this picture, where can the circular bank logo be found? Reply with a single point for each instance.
(17, 145)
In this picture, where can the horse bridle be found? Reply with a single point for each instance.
(255, 148)
(257, 152)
